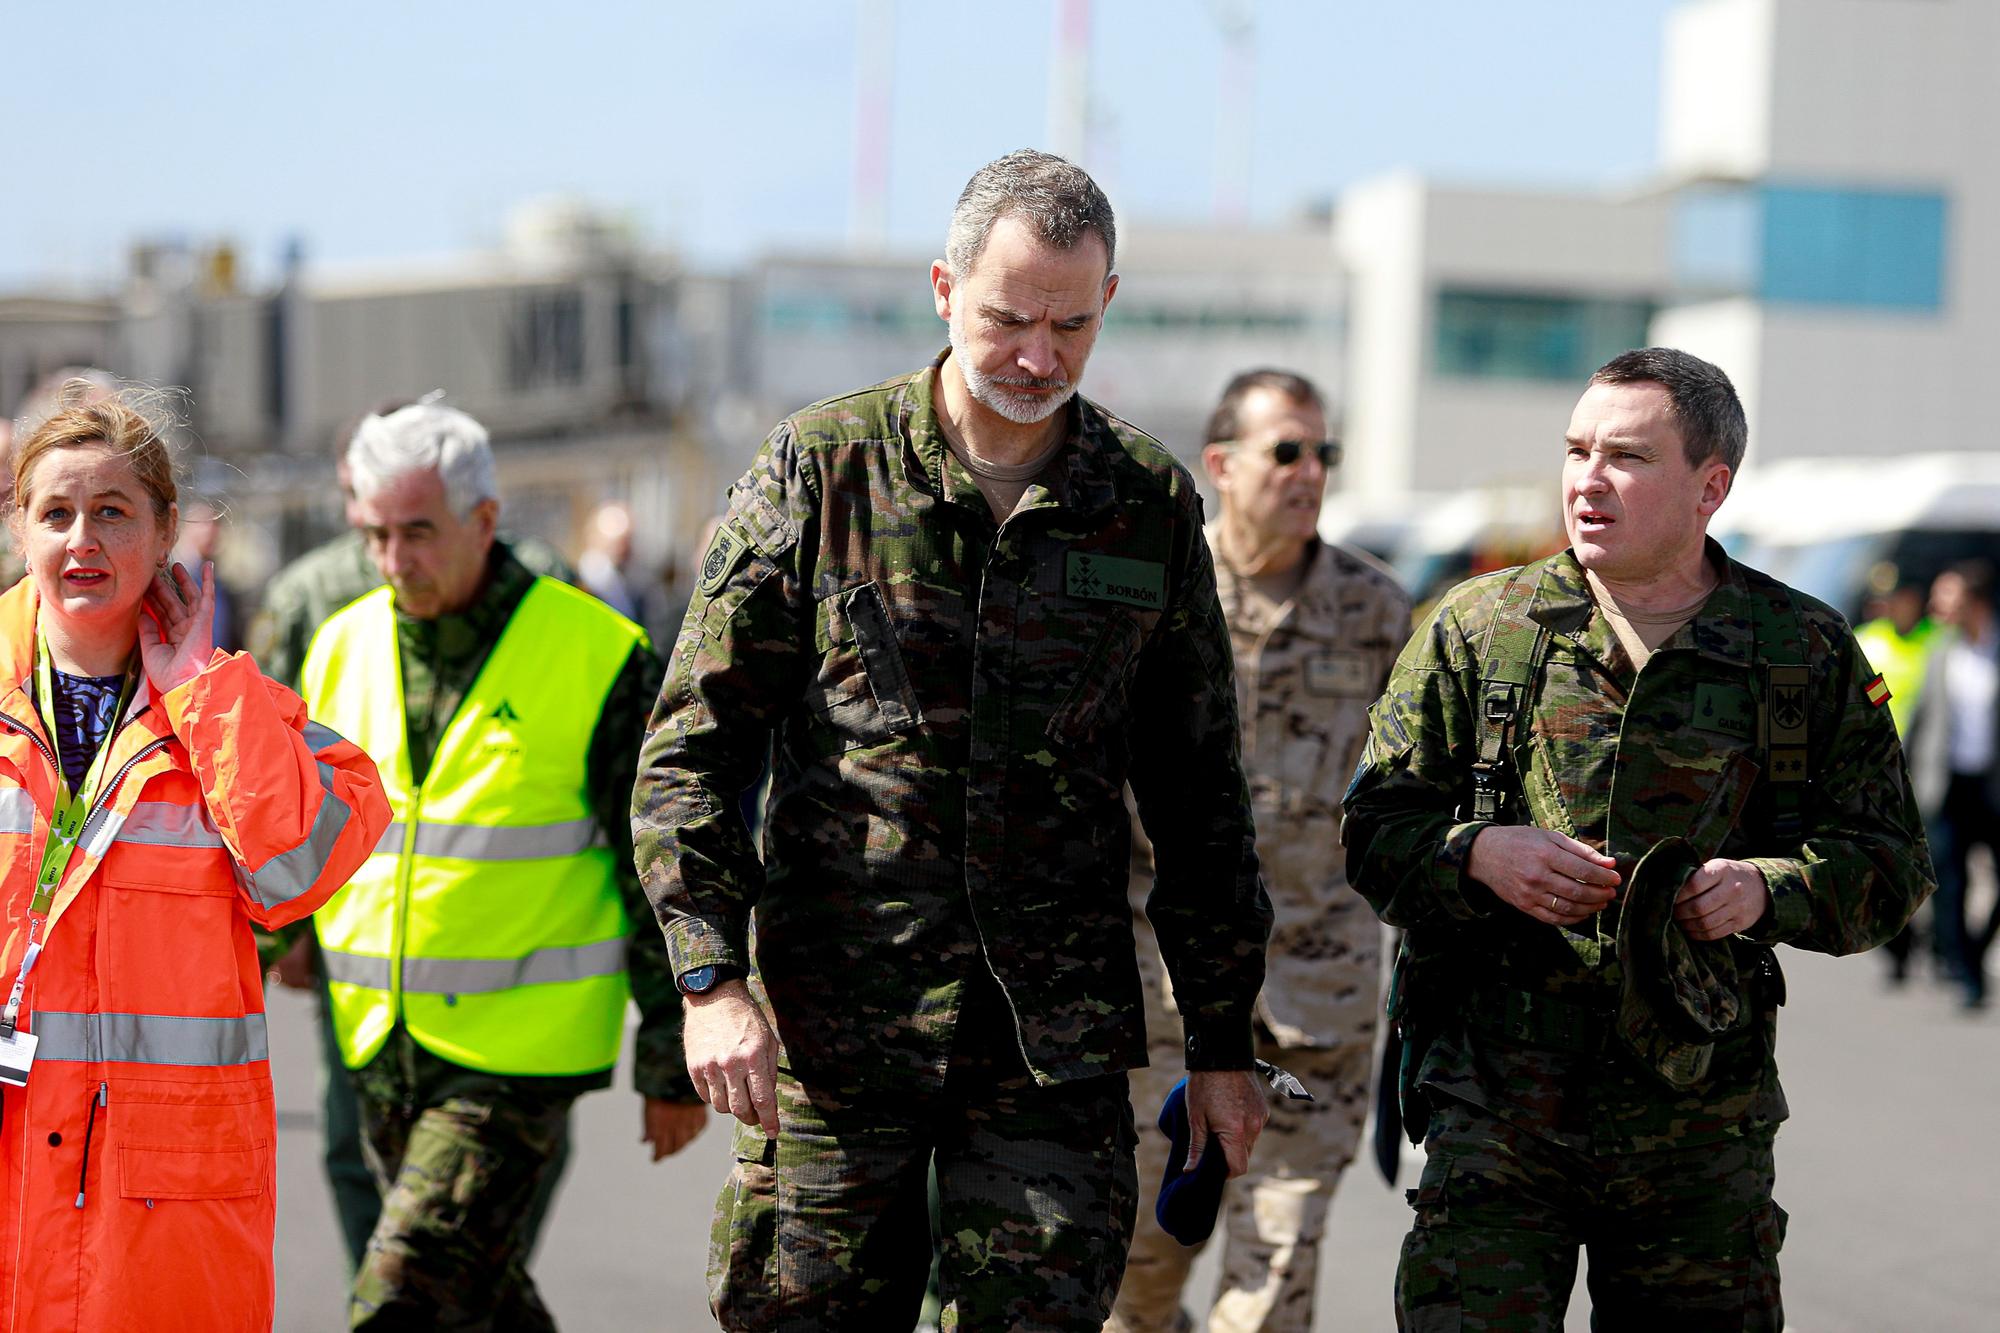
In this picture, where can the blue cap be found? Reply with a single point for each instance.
(1189, 1200)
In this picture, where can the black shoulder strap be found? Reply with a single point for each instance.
(1509, 656)
(1785, 708)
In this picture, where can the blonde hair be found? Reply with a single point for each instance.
(130, 422)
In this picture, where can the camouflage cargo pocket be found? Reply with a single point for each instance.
(863, 693)
(742, 1239)
(1427, 1290)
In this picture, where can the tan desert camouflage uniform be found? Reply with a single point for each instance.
(1305, 677)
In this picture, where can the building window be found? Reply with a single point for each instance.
(1813, 245)
(1533, 336)
(1853, 247)
(545, 344)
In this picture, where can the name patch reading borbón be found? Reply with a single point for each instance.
(1111, 578)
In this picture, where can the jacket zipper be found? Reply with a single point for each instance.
(111, 788)
(90, 1127)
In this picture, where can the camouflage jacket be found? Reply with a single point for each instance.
(1620, 760)
(1303, 685)
(956, 708)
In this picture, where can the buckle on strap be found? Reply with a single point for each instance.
(1488, 796)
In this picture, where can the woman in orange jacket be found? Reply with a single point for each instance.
(157, 798)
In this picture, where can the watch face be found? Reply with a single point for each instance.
(698, 980)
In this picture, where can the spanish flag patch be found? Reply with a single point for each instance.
(1877, 692)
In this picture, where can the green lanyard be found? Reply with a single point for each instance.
(65, 825)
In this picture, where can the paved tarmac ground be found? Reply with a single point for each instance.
(1888, 1169)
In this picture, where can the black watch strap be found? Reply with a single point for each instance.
(702, 980)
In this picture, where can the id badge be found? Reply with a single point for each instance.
(17, 1053)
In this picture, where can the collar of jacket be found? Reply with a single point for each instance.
(461, 636)
(1722, 629)
(1081, 480)
(1314, 607)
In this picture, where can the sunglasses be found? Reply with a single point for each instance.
(1287, 452)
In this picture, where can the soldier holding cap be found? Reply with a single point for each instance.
(1596, 794)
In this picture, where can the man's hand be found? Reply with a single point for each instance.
(294, 967)
(1720, 899)
(1550, 877)
(670, 1126)
(731, 1055)
(1228, 1103)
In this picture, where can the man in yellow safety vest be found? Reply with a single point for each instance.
(480, 962)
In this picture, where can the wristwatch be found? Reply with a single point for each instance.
(702, 980)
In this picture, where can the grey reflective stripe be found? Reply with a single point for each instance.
(319, 736)
(289, 874)
(478, 842)
(356, 969)
(151, 1039)
(167, 824)
(478, 976)
(17, 811)
(391, 841)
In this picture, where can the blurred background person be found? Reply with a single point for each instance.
(201, 533)
(1315, 628)
(607, 558)
(212, 801)
(609, 571)
(1955, 745)
(1898, 640)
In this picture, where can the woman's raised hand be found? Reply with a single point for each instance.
(177, 629)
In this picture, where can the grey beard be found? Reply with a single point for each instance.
(989, 392)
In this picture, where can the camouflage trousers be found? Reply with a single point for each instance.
(1681, 1240)
(459, 1156)
(1272, 1218)
(827, 1227)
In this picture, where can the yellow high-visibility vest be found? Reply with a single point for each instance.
(488, 919)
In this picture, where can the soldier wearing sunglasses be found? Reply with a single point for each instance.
(1314, 628)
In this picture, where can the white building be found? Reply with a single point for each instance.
(1838, 228)
(1476, 315)
(1822, 226)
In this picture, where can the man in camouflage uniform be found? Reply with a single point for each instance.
(1637, 730)
(967, 605)
(299, 599)
(1315, 628)
(460, 1153)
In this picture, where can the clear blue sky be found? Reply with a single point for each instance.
(382, 130)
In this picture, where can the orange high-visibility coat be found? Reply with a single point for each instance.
(137, 1188)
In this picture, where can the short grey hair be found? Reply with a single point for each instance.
(425, 437)
(1055, 197)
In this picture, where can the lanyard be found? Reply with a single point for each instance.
(65, 824)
